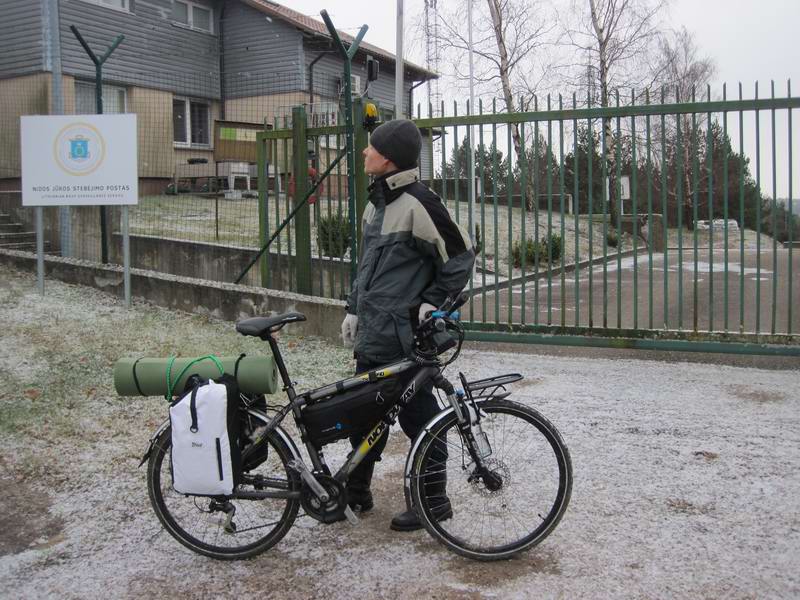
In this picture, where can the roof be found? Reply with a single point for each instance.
(311, 25)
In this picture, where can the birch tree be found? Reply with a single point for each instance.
(615, 39)
(511, 43)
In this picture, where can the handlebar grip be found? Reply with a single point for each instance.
(439, 314)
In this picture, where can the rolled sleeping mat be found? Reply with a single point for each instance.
(148, 376)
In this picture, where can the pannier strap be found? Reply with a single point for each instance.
(193, 410)
(236, 367)
(136, 379)
(171, 384)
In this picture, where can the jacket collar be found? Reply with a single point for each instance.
(391, 185)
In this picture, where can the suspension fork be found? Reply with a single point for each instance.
(469, 420)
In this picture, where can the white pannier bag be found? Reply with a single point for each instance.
(206, 459)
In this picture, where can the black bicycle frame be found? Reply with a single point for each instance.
(296, 403)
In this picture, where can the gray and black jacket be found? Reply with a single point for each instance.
(411, 252)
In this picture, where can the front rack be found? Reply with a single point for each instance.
(477, 389)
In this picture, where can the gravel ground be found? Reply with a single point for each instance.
(687, 476)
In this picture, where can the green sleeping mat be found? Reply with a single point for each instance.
(148, 376)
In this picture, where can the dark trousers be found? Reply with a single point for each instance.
(412, 418)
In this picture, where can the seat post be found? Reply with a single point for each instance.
(276, 353)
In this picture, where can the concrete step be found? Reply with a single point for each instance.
(26, 246)
(17, 236)
(10, 227)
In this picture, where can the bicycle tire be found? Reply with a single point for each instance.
(520, 458)
(201, 530)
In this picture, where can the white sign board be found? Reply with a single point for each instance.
(79, 160)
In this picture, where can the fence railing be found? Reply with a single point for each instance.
(657, 216)
(660, 218)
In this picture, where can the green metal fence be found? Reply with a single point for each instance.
(646, 224)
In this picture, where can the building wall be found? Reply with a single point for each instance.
(21, 49)
(155, 53)
(328, 72)
(262, 56)
(27, 95)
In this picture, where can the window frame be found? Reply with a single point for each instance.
(126, 8)
(187, 106)
(190, 16)
(84, 84)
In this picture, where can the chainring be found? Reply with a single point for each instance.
(330, 511)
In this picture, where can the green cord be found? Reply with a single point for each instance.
(171, 384)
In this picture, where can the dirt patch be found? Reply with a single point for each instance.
(753, 394)
(25, 520)
(706, 455)
(681, 505)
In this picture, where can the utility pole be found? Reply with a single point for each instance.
(471, 131)
(398, 65)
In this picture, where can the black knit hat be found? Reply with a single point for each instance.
(399, 141)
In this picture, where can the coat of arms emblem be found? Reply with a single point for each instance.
(79, 148)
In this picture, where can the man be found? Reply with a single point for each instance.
(413, 256)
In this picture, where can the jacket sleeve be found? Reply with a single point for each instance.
(437, 236)
(352, 298)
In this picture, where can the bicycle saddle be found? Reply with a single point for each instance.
(260, 326)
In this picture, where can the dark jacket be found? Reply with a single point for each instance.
(411, 252)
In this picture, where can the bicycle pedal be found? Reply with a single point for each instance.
(351, 516)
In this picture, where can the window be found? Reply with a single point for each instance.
(120, 4)
(192, 15)
(86, 102)
(191, 122)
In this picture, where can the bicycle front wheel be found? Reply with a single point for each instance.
(510, 507)
(227, 528)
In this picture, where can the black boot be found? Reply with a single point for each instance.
(409, 520)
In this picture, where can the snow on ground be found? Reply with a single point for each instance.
(687, 476)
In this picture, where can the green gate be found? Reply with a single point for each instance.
(653, 225)
(637, 226)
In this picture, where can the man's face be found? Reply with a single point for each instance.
(375, 163)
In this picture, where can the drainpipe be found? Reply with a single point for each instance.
(411, 98)
(221, 62)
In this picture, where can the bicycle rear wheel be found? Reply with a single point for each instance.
(202, 524)
(531, 475)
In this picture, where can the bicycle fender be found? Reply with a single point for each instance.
(153, 439)
(412, 451)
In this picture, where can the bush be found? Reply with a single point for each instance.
(478, 243)
(612, 239)
(333, 235)
(531, 251)
(549, 247)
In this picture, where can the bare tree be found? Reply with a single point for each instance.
(614, 38)
(682, 70)
(510, 48)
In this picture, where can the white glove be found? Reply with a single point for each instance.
(349, 328)
(424, 310)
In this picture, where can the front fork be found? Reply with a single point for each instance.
(469, 421)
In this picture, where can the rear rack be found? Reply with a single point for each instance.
(495, 383)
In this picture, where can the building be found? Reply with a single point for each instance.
(183, 66)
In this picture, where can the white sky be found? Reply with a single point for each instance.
(748, 40)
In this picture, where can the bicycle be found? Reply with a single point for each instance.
(507, 471)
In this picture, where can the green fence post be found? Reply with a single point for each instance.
(303, 217)
(360, 141)
(263, 225)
